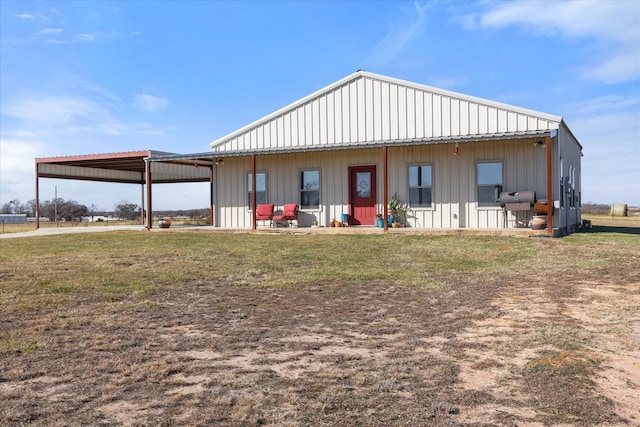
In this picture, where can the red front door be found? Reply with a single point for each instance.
(362, 195)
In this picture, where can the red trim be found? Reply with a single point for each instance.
(122, 155)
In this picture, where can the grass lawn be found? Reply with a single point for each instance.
(200, 328)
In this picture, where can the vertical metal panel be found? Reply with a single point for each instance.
(346, 130)
(353, 112)
(287, 130)
(280, 131)
(419, 114)
(385, 106)
(295, 133)
(402, 112)
(428, 115)
(446, 116)
(492, 120)
(360, 111)
(411, 113)
(322, 121)
(331, 118)
(376, 114)
(501, 120)
(314, 116)
(393, 112)
(437, 115)
(512, 121)
(337, 103)
(369, 103)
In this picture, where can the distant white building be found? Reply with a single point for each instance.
(13, 218)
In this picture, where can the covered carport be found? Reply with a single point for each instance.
(143, 168)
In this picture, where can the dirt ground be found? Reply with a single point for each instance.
(477, 351)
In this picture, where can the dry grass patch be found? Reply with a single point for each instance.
(200, 329)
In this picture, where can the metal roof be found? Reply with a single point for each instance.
(213, 155)
(125, 167)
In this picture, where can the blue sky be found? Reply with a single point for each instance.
(90, 77)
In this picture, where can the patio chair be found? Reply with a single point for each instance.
(289, 214)
(265, 213)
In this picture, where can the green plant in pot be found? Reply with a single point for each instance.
(397, 210)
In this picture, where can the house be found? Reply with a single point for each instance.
(457, 162)
(449, 157)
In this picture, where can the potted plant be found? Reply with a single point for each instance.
(397, 211)
(380, 220)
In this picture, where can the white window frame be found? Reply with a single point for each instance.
(409, 186)
(493, 204)
(248, 188)
(301, 190)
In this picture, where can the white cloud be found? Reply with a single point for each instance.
(400, 33)
(149, 103)
(17, 168)
(47, 31)
(75, 114)
(23, 16)
(611, 27)
(55, 111)
(85, 37)
(609, 131)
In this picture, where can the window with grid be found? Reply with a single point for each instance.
(261, 188)
(420, 193)
(310, 189)
(489, 175)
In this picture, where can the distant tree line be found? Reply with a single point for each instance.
(70, 210)
(595, 209)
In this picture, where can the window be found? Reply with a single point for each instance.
(261, 188)
(489, 176)
(562, 182)
(572, 187)
(420, 186)
(310, 189)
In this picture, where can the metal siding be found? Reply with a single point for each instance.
(492, 120)
(512, 122)
(300, 127)
(419, 114)
(331, 118)
(315, 122)
(322, 121)
(437, 115)
(353, 112)
(369, 108)
(473, 119)
(369, 102)
(385, 91)
(346, 130)
(360, 102)
(402, 112)
(337, 102)
(447, 118)
(308, 125)
(376, 111)
(393, 112)
(295, 130)
(501, 121)
(428, 115)
(279, 123)
(287, 130)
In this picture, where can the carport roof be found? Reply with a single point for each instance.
(126, 167)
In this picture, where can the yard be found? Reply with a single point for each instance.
(202, 328)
